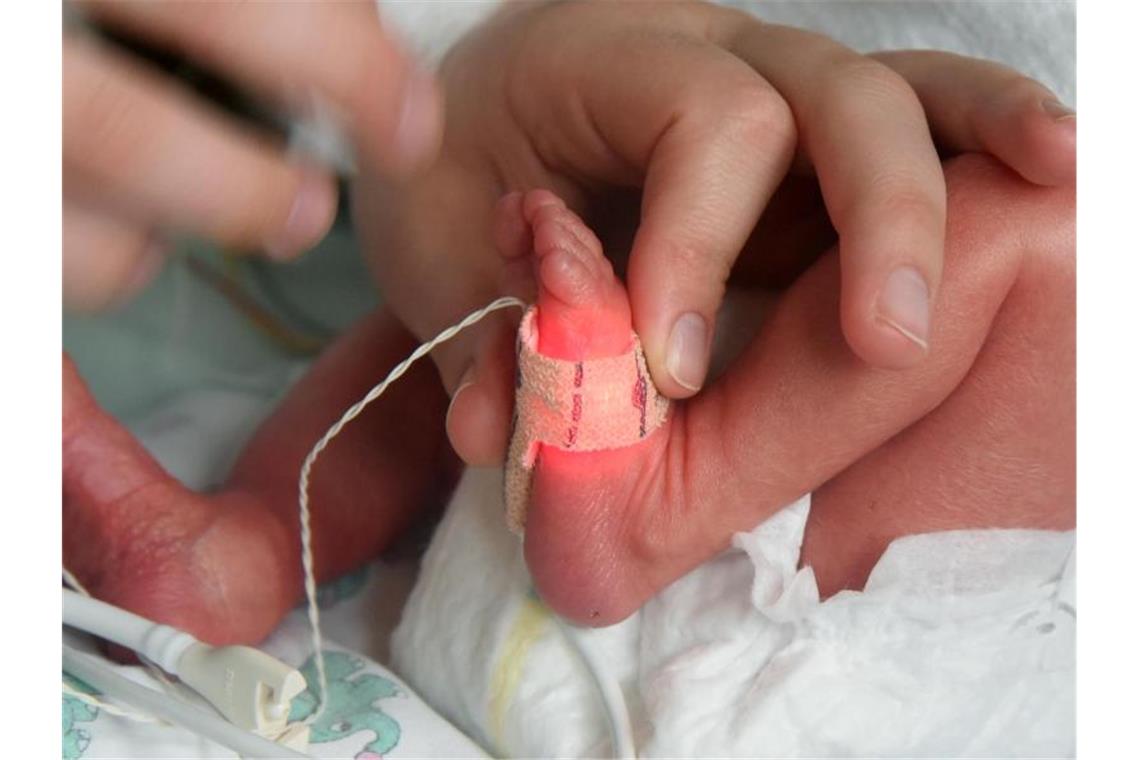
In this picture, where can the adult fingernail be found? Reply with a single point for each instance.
(420, 116)
(1057, 110)
(310, 217)
(904, 304)
(687, 355)
(465, 382)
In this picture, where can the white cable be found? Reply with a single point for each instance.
(166, 646)
(248, 687)
(613, 699)
(108, 707)
(92, 670)
(154, 671)
(307, 565)
(161, 644)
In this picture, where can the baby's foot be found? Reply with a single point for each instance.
(583, 313)
(226, 566)
(606, 530)
(135, 537)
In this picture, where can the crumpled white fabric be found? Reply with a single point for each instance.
(961, 644)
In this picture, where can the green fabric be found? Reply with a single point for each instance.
(181, 334)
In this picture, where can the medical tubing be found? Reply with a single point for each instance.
(93, 671)
(161, 644)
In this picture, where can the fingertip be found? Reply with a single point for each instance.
(687, 353)
(676, 339)
(146, 270)
(882, 344)
(419, 128)
(479, 416)
(889, 327)
(106, 260)
(1050, 131)
(310, 215)
(1036, 137)
(477, 425)
(1058, 111)
(658, 361)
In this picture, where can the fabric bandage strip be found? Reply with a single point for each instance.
(588, 405)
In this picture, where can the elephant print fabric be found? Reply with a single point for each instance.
(75, 737)
(352, 708)
(76, 712)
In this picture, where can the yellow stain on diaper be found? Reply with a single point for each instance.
(529, 625)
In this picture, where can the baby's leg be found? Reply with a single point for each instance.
(607, 530)
(226, 566)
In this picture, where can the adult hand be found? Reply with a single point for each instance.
(704, 110)
(142, 156)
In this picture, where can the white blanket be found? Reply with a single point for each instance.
(961, 644)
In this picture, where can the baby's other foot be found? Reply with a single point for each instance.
(225, 566)
(212, 565)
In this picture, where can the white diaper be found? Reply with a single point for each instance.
(961, 644)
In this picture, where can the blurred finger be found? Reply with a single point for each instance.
(106, 259)
(294, 51)
(143, 145)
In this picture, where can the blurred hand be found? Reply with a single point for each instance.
(142, 156)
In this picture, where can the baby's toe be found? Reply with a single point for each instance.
(583, 310)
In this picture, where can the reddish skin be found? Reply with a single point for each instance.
(980, 434)
(987, 424)
(226, 566)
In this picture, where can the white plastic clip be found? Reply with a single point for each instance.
(251, 689)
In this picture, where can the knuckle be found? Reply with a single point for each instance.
(901, 197)
(758, 115)
(874, 83)
(909, 199)
(870, 78)
(695, 268)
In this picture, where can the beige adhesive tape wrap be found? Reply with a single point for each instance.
(588, 405)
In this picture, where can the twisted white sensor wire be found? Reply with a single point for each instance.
(505, 302)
